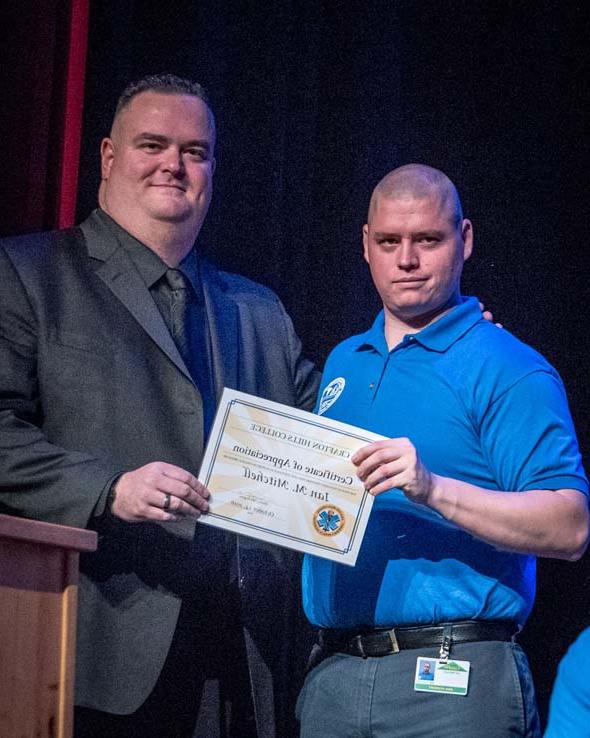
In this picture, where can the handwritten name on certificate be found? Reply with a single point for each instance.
(285, 476)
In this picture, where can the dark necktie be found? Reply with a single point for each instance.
(188, 325)
(180, 317)
(190, 331)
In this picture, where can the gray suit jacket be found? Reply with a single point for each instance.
(91, 385)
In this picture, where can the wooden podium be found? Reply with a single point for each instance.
(38, 598)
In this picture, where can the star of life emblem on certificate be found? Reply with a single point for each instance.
(328, 520)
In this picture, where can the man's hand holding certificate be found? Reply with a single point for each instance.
(285, 476)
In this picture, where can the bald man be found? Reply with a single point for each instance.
(481, 473)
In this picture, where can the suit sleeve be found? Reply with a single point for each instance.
(38, 479)
(306, 378)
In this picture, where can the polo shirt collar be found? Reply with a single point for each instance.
(438, 336)
(374, 338)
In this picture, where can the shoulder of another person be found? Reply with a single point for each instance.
(581, 646)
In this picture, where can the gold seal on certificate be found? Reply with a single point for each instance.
(285, 476)
(328, 520)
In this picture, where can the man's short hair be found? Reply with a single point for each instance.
(169, 84)
(419, 181)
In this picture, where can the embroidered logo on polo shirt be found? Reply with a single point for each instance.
(331, 393)
(328, 520)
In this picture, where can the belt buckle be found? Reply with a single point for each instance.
(393, 639)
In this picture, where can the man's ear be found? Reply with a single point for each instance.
(467, 236)
(366, 242)
(107, 154)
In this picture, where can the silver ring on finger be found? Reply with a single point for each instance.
(167, 498)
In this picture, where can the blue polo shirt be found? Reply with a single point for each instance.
(479, 406)
(569, 709)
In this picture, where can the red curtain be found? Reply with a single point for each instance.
(72, 113)
(43, 55)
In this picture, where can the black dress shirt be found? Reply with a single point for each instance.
(153, 270)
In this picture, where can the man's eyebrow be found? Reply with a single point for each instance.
(151, 136)
(146, 135)
(386, 234)
(436, 232)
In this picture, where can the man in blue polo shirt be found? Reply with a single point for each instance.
(479, 433)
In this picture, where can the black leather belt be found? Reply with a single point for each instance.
(383, 642)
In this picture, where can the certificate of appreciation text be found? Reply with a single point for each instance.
(285, 476)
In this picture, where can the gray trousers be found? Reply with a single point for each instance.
(351, 697)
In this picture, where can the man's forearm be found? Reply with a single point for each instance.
(41, 480)
(551, 523)
(541, 522)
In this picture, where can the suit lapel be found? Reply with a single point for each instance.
(222, 313)
(119, 274)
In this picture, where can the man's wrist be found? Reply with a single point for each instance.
(104, 504)
(443, 496)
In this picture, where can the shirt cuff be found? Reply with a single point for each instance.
(103, 506)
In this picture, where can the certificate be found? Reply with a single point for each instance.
(285, 476)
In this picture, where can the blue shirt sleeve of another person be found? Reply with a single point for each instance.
(569, 710)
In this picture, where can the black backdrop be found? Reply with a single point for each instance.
(316, 100)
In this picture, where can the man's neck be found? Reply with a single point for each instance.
(398, 326)
(170, 241)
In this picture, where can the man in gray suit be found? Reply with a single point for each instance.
(104, 412)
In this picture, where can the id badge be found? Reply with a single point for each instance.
(444, 676)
